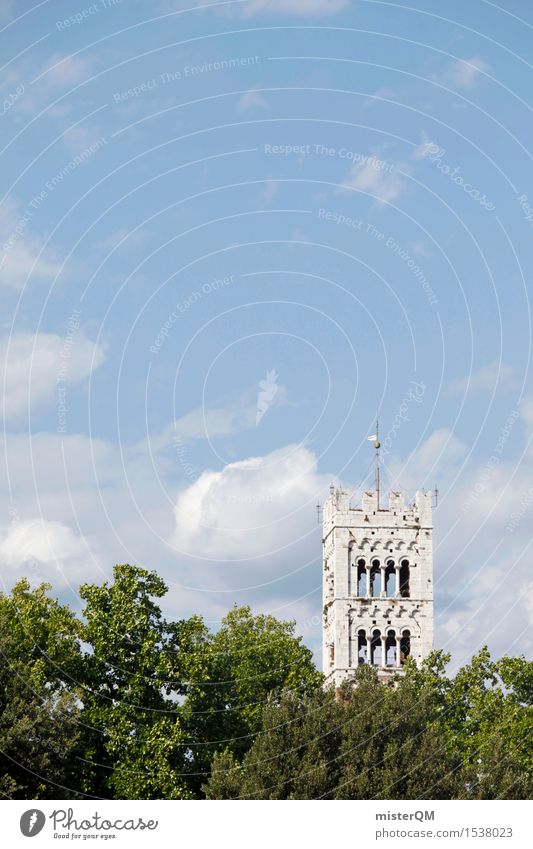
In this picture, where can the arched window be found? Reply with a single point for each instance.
(375, 649)
(375, 579)
(362, 647)
(390, 579)
(405, 646)
(390, 649)
(405, 590)
(361, 578)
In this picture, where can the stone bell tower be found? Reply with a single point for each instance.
(377, 583)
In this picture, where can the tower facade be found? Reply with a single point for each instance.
(377, 583)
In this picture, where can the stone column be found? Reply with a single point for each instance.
(383, 651)
(368, 584)
(398, 652)
(397, 573)
(383, 591)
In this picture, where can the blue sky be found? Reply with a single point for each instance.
(230, 233)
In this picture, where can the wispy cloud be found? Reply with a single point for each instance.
(217, 421)
(32, 364)
(20, 249)
(383, 93)
(64, 71)
(251, 99)
(379, 178)
(486, 379)
(267, 393)
(271, 189)
(425, 147)
(464, 73)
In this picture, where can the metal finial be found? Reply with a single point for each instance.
(377, 446)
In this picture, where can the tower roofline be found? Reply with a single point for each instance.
(340, 499)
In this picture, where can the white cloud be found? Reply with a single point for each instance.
(383, 93)
(53, 81)
(122, 237)
(64, 71)
(79, 139)
(483, 582)
(526, 409)
(439, 455)
(18, 266)
(251, 99)
(482, 561)
(208, 424)
(45, 551)
(110, 496)
(487, 379)
(60, 72)
(217, 421)
(425, 147)
(464, 73)
(20, 249)
(378, 178)
(33, 363)
(481, 610)
(252, 508)
(271, 189)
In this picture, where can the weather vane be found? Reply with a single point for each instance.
(377, 445)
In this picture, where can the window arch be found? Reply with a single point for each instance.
(390, 648)
(375, 579)
(405, 646)
(362, 647)
(405, 589)
(375, 649)
(361, 577)
(390, 579)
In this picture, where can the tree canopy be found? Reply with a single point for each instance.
(119, 701)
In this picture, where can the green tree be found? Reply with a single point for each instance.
(428, 736)
(488, 709)
(135, 675)
(163, 697)
(250, 660)
(394, 744)
(225, 778)
(40, 717)
(294, 756)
